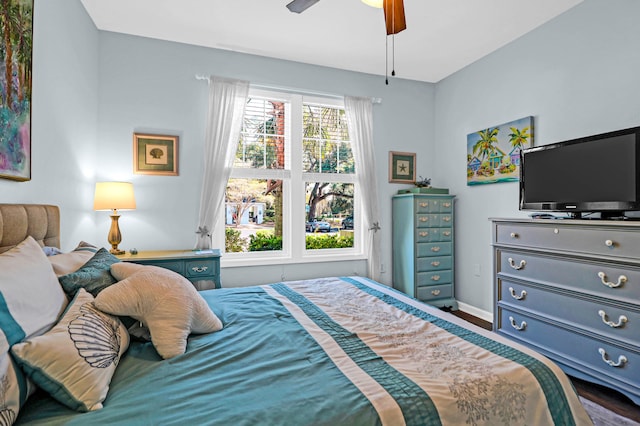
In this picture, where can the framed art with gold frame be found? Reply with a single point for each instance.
(155, 154)
(402, 167)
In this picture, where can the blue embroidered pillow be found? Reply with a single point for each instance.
(93, 276)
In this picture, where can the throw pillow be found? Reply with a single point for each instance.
(14, 387)
(31, 299)
(93, 276)
(75, 361)
(164, 301)
(65, 263)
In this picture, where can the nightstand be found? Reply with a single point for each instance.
(194, 265)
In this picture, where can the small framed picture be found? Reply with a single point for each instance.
(402, 167)
(155, 155)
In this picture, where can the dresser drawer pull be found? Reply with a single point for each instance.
(424, 234)
(603, 277)
(622, 360)
(435, 249)
(424, 204)
(446, 219)
(609, 243)
(446, 233)
(435, 263)
(512, 263)
(424, 219)
(520, 327)
(446, 204)
(435, 278)
(605, 319)
(200, 269)
(435, 292)
(514, 235)
(523, 293)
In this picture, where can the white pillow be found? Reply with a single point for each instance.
(66, 263)
(166, 302)
(76, 359)
(14, 387)
(31, 298)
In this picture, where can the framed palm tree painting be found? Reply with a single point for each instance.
(493, 154)
(16, 36)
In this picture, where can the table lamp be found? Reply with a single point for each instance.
(113, 196)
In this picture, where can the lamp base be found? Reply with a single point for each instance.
(114, 234)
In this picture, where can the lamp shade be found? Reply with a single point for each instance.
(114, 195)
(373, 3)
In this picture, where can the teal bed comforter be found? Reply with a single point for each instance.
(330, 351)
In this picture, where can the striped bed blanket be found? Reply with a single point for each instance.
(331, 351)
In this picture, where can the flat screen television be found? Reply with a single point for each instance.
(593, 174)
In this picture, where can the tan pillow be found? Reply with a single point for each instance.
(166, 302)
(67, 263)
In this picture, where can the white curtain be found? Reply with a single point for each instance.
(360, 122)
(227, 99)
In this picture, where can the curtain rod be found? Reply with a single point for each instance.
(292, 90)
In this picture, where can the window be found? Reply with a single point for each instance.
(293, 190)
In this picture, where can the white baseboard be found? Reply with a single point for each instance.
(472, 310)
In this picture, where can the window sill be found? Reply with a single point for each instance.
(282, 260)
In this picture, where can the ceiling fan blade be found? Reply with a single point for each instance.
(299, 6)
(394, 16)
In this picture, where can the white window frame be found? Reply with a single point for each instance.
(293, 199)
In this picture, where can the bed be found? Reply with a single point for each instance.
(328, 351)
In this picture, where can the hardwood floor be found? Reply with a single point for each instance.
(601, 395)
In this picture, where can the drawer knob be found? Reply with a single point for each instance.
(435, 263)
(513, 235)
(520, 327)
(605, 319)
(435, 278)
(424, 219)
(523, 293)
(199, 269)
(424, 204)
(622, 360)
(512, 263)
(435, 249)
(603, 277)
(446, 219)
(609, 243)
(446, 204)
(446, 233)
(424, 234)
(435, 292)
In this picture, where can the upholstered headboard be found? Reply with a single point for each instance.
(17, 221)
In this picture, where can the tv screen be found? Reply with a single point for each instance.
(593, 174)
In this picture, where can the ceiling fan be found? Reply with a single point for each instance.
(393, 12)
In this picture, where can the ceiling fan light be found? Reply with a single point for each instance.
(373, 3)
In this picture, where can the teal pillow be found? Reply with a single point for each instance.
(94, 276)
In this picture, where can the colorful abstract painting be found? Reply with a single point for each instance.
(16, 35)
(493, 154)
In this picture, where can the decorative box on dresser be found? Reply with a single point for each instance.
(423, 247)
(570, 289)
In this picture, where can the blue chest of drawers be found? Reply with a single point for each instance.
(570, 289)
(423, 247)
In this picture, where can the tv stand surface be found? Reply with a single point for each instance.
(570, 289)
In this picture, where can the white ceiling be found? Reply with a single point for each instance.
(442, 36)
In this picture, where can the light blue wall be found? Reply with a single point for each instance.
(63, 117)
(148, 85)
(92, 90)
(577, 75)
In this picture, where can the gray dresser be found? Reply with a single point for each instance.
(570, 289)
(423, 247)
